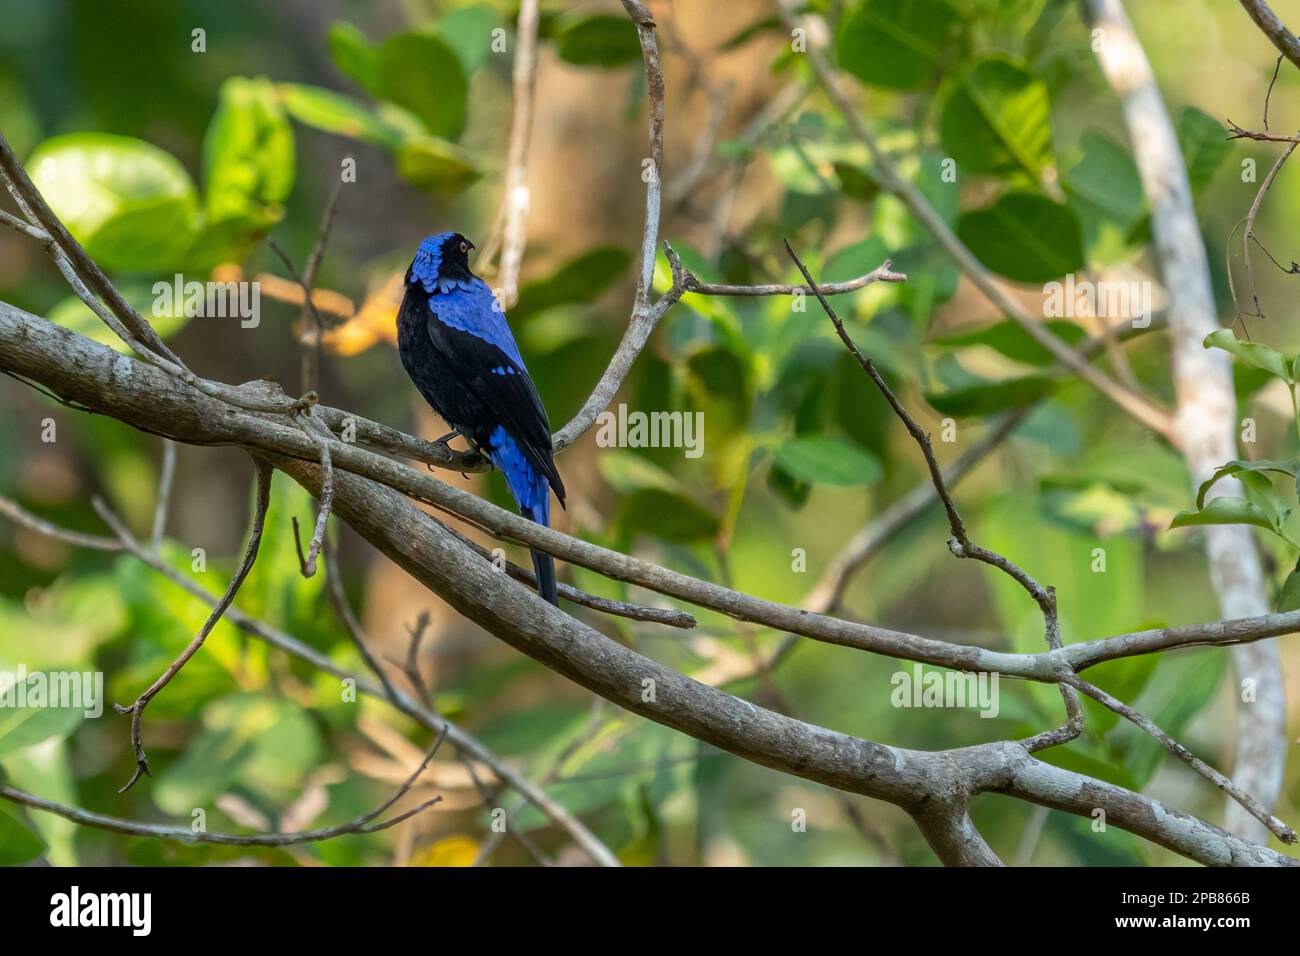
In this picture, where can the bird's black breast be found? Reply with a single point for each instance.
(432, 371)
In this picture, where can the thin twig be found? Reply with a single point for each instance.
(33, 232)
(672, 617)
(136, 709)
(166, 476)
(361, 824)
(28, 520)
(960, 544)
(307, 562)
(412, 666)
(1269, 92)
(267, 633)
(1249, 233)
(1275, 826)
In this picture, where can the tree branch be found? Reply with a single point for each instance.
(362, 824)
(1206, 400)
(136, 709)
(1282, 38)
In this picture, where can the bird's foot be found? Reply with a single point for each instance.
(450, 436)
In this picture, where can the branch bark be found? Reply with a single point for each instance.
(1286, 42)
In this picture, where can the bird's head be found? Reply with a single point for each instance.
(441, 262)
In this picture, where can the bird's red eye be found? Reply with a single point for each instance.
(464, 247)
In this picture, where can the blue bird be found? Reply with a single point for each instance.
(457, 348)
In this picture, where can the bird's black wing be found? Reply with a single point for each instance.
(503, 387)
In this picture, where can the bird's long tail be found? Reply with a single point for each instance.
(532, 493)
(543, 563)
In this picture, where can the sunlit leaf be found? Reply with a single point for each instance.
(335, 113)
(355, 55)
(248, 154)
(131, 204)
(1258, 355)
(997, 119)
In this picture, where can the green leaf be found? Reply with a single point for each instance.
(895, 43)
(1105, 190)
(1224, 510)
(435, 164)
(1025, 237)
(1289, 598)
(335, 113)
(855, 182)
(21, 727)
(997, 119)
(355, 55)
(667, 516)
(596, 39)
(794, 492)
(826, 460)
(1107, 177)
(985, 398)
(1260, 356)
(1236, 467)
(468, 31)
(1010, 339)
(1204, 143)
(579, 281)
(18, 843)
(421, 73)
(128, 202)
(248, 154)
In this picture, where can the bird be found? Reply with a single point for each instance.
(457, 348)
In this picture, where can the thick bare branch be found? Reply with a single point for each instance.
(145, 397)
